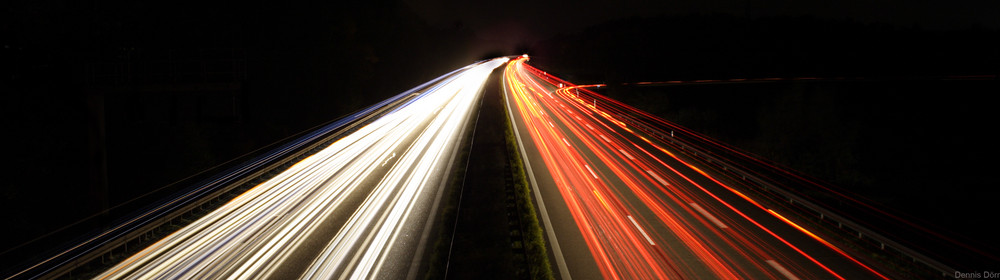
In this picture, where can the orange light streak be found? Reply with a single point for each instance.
(623, 248)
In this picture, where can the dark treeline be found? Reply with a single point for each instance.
(175, 87)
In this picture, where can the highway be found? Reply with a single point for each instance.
(359, 208)
(617, 204)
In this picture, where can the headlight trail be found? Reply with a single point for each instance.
(372, 187)
(642, 211)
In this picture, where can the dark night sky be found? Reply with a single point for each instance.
(507, 22)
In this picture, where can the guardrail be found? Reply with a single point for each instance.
(844, 224)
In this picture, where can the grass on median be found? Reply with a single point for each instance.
(535, 248)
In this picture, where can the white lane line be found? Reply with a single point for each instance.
(590, 127)
(708, 215)
(567, 142)
(388, 158)
(641, 231)
(657, 177)
(591, 171)
(605, 138)
(552, 125)
(578, 118)
(626, 154)
(782, 269)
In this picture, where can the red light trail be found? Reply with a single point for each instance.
(645, 212)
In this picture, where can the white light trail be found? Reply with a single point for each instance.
(389, 164)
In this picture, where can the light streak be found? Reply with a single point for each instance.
(668, 202)
(620, 249)
(256, 233)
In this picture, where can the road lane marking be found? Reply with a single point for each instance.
(626, 154)
(605, 138)
(641, 231)
(590, 127)
(388, 158)
(567, 142)
(657, 177)
(591, 171)
(552, 125)
(779, 268)
(708, 215)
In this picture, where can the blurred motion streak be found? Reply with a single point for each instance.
(645, 212)
(375, 183)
